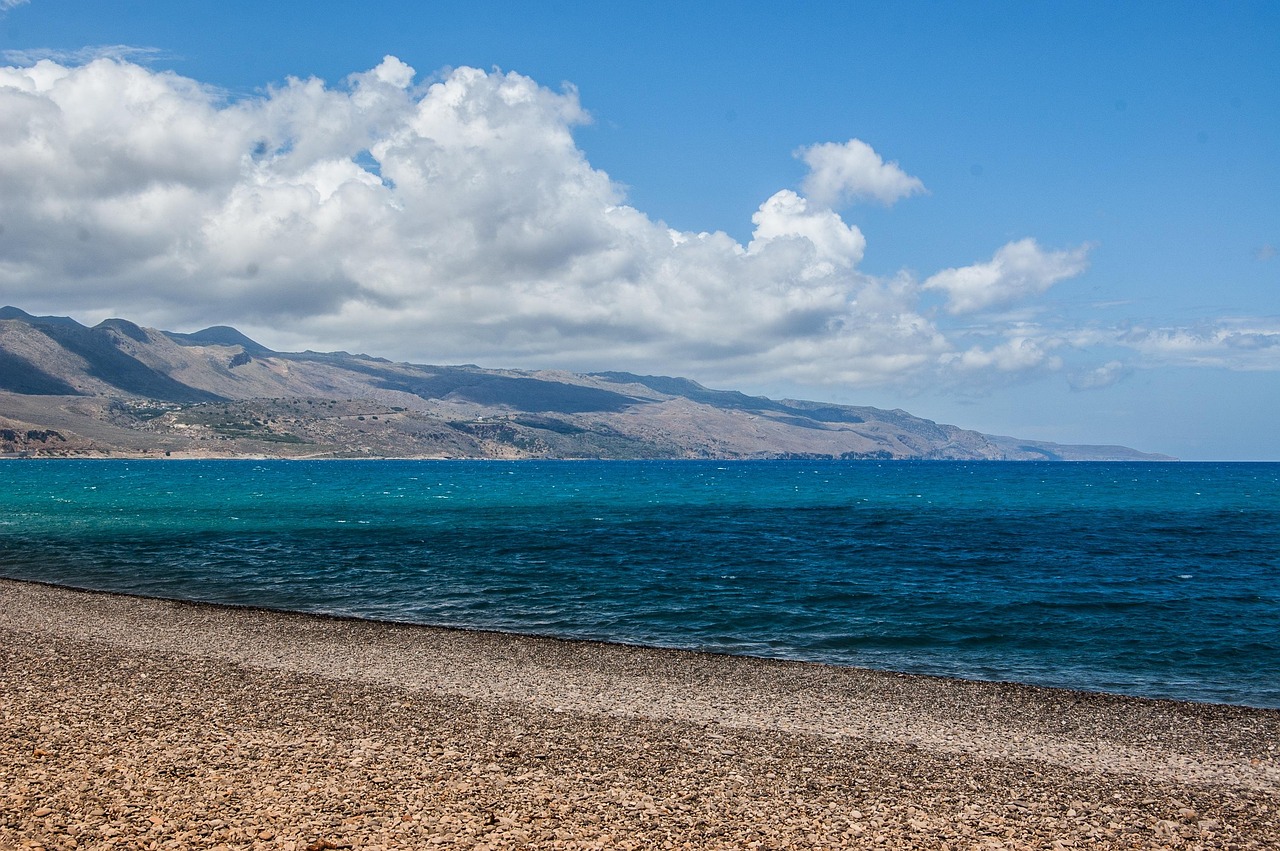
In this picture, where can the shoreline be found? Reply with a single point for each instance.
(217, 456)
(605, 642)
(133, 719)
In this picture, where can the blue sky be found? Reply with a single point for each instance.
(1054, 220)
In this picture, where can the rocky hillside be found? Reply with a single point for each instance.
(120, 389)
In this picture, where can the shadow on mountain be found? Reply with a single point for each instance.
(106, 362)
(529, 395)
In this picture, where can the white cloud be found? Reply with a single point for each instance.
(1232, 343)
(1099, 377)
(84, 55)
(1018, 270)
(460, 222)
(1019, 353)
(834, 244)
(1237, 344)
(6, 5)
(853, 171)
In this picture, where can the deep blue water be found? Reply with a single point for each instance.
(1160, 580)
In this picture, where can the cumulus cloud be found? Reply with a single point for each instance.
(451, 221)
(458, 221)
(833, 244)
(1018, 353)
(853, 171)
(1019, 269)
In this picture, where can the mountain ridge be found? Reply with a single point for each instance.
(118, 388)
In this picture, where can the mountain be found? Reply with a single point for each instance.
(120, 389)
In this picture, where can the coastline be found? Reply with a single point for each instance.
(130, 720)
(185, 455)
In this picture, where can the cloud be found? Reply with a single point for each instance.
(853, 171)
(1019, 353)
(6, 5)
(1236, 344)
(1018, 270)
(84, 55)
(833, 244)
(1099, 377)
(458, 221)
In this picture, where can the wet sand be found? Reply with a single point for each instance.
(137, 723)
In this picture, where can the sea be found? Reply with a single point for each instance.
(1150, 579)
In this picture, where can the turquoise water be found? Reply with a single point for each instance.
(1149, 579)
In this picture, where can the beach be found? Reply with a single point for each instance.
(137, 723)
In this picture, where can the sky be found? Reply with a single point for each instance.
(1059, 221)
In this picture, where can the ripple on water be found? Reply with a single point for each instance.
(1147, 579)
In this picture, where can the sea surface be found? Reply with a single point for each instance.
(1160, 580)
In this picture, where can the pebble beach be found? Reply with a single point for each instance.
(137, 723)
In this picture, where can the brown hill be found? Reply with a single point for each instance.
(118, 388)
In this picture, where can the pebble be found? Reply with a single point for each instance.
(253, 729)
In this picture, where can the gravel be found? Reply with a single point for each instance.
(137, 723)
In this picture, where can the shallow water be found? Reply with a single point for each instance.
(1147, 579)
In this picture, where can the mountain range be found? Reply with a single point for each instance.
(118, 389)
